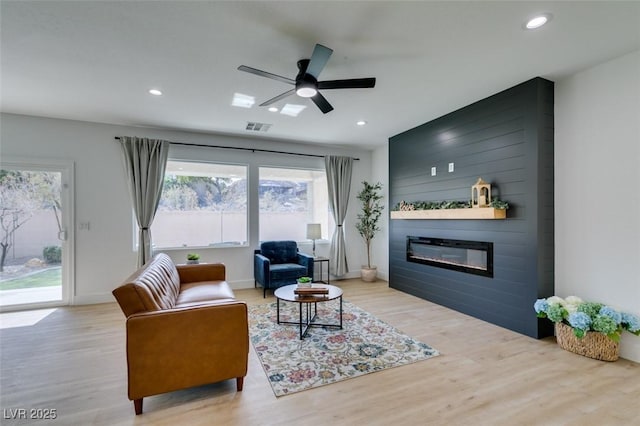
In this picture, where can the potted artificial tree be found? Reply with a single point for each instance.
(367, 223)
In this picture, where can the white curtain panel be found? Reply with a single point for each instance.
(339, 182)
(145, 161)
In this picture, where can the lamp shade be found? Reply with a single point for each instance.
(313, 231)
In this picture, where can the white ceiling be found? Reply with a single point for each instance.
(95, 61)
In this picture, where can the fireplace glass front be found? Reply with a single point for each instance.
(473, 257)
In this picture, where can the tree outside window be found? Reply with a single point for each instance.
(24, 194)
(289, 199)
(202, 205)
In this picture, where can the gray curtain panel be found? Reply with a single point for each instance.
(145, 161)
(339, 182)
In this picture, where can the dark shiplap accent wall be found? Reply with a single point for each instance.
(507, 139)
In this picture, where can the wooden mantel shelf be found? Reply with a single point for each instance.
(470, 213)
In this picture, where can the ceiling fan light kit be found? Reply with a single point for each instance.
(306, 85)
(306, 92)
(306, 82)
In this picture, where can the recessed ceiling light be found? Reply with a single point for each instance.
(273, 109)
(537, 21)
(242, 101)
(155, 92)
(292, 109)
(361, 123)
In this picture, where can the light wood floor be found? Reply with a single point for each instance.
(74, 361)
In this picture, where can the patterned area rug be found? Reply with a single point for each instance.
(327, 355)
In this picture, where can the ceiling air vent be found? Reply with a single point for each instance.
(257, 127)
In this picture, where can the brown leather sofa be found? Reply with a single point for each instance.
(184, 328)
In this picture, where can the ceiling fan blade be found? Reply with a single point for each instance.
(322, 103)
(266, 74)
(319, 59)
(354, 83)
(277, 98)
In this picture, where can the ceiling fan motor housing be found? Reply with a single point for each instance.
(306, 84)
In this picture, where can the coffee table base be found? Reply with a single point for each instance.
(309, 320)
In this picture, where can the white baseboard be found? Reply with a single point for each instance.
(356, 274)
(241, 284)
(92, 299)
(630, 347)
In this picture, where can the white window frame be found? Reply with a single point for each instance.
(223, 245)
(327, 230)
(67, 170)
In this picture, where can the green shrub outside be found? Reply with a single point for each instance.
(52, 254)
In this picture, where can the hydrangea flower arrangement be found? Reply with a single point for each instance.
(584, 316)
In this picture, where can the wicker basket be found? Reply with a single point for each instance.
(593, 345)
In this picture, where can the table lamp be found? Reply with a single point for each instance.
(314, 233)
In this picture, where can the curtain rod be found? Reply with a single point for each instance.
(246, 149)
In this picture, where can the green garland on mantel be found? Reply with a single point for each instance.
(441, 205)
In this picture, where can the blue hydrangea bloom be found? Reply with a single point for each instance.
(611, 313)
(579, 320)
(541, 305)
(632, 321)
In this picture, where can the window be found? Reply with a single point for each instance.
(289, 199)
(202, 205)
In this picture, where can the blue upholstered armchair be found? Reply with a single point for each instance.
(278, 263)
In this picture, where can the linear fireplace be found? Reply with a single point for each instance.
(473, 257)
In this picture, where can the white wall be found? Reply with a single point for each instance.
(380, 245)
(104, 254)
(597, 187)
(597, 181)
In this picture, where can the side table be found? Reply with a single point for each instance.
(320, 260)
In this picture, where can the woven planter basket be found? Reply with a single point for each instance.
(593, 345)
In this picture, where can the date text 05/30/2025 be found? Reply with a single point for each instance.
(29, 413)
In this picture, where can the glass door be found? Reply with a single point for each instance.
(34, 234)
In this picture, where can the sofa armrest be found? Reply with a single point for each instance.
(177, 348)
(306, 261)
(201, 272)
(261, 266)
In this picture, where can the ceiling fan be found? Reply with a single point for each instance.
(306, 82)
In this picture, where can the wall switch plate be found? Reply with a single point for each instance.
(433, 171)
(450, 167)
